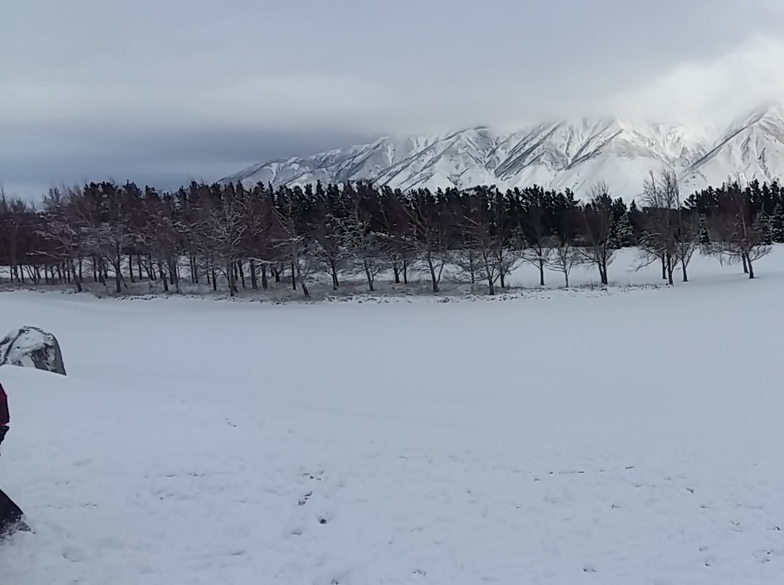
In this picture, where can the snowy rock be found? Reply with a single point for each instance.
(31, 347)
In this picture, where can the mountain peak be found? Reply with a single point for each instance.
(771, 111)
(773, 107)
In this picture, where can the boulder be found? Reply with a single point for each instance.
(31, 347)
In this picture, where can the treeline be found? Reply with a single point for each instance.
(234, 237)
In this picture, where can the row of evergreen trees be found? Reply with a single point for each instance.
(232, 236)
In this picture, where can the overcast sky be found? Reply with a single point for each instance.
(161, 91)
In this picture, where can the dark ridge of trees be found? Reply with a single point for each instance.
(233, 237)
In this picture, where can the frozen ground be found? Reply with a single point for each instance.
(564, 439)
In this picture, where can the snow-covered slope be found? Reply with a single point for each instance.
(573, 154)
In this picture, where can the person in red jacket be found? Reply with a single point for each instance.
(4, 417)
(11, 516)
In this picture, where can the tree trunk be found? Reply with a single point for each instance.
(174, 273)
(305, 290)
(603, 271)
(254, 283)
(433, 276)
(745, 264)
(751, 267)
(405, 271)
(664, 267)
(669, 270)
(396, 272)
(683, 271)
(230, 277)
(264, 282)
(293, 277)
(174, 269)
(164, 278)
(541, 271)
(194, 270)
(334, 271)
(490, 286)
(118, 274)
(77, 277)
(369, 277)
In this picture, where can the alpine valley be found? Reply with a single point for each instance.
(572, 154)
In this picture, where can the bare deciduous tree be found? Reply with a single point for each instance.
(432, 228)
(670, 234)
(362, 239)
(294, 240)
(736, 233)
(598, 219)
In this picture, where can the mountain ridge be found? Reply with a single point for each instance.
(572, 154)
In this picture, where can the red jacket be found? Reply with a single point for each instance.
(4, 417)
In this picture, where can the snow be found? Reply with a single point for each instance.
(558, 439)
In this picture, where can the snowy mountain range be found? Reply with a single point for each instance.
(570, 154)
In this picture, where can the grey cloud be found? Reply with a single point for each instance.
(165, 160)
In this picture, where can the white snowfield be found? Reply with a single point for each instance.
(628, 437)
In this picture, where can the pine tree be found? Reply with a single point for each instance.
(765, 227)
(704, 233)
(636, 220)
(622, 232)
(777, 224)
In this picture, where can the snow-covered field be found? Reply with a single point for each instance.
(569, 438)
